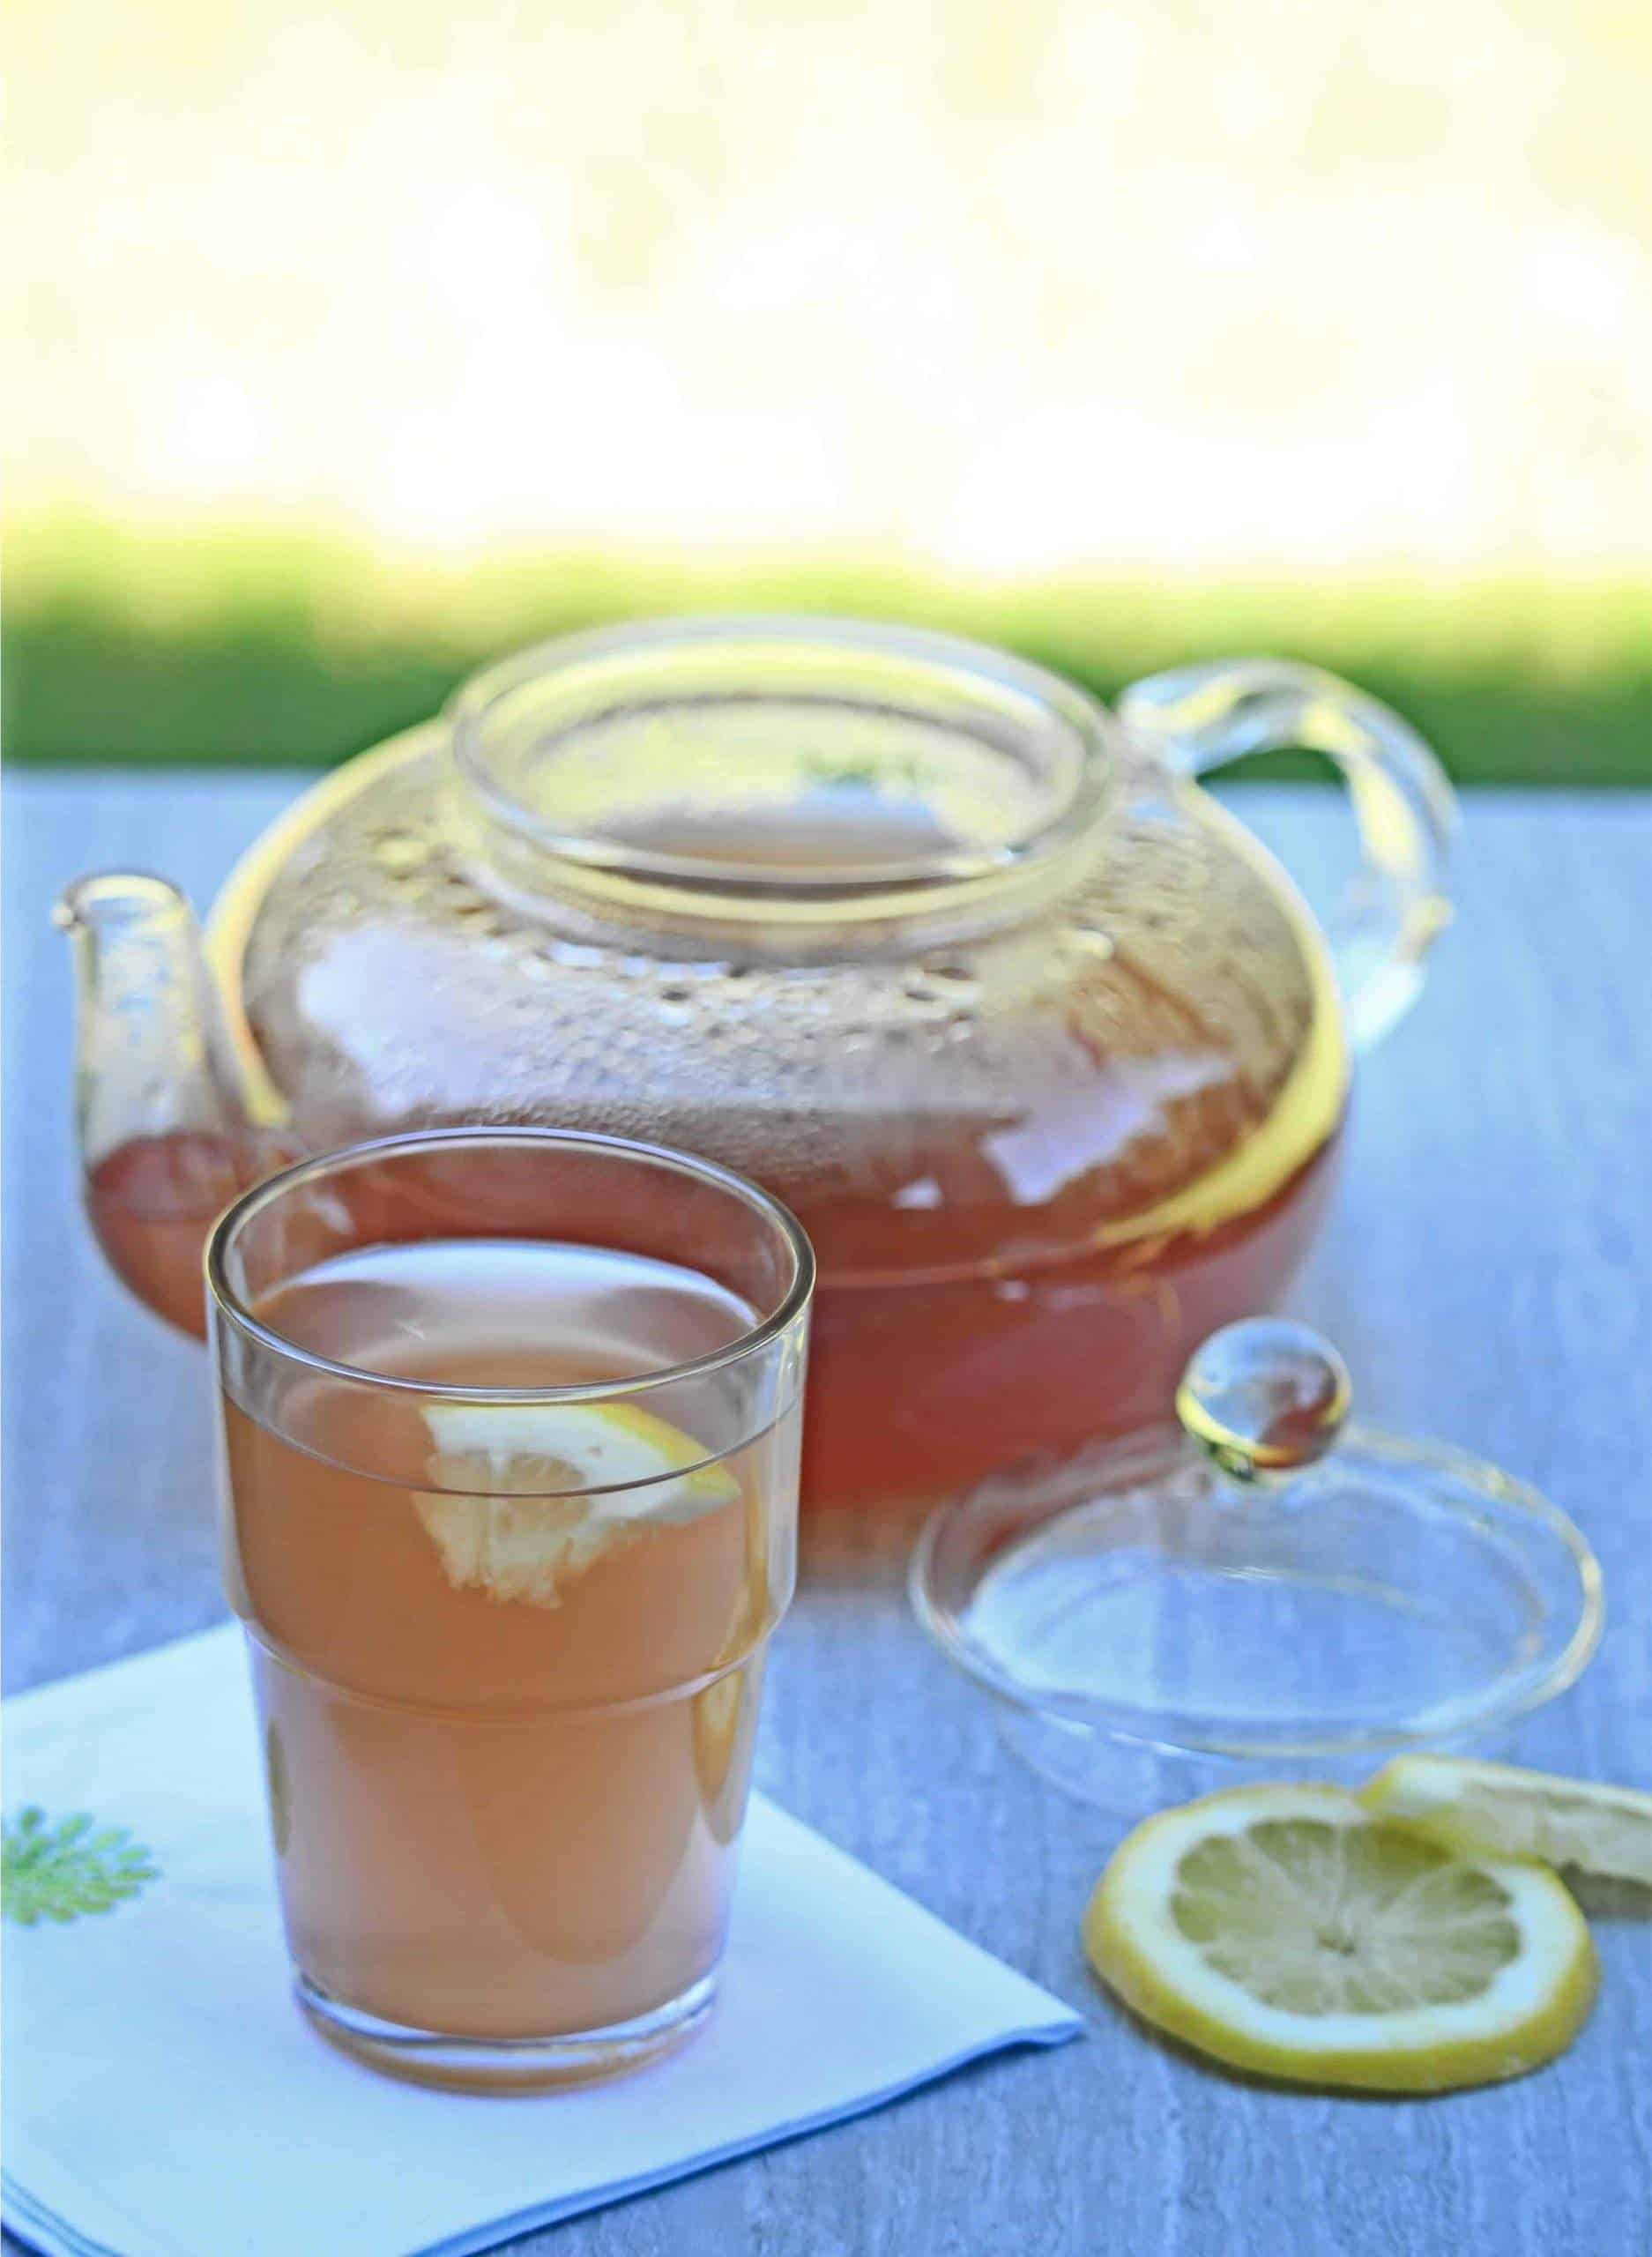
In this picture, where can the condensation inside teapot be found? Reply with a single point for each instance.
(1039, 1042)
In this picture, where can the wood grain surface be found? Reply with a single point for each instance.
(1486, 1272)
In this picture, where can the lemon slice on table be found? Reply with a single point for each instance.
(1285, 1931)
(1494, 1809)
(528, 1494)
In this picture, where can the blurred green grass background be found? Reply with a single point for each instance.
(234, 647)
(363, 344)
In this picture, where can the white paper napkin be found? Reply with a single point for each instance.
(163, 2097)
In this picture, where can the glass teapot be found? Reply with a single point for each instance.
(1040, 1043)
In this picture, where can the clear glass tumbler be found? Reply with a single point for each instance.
(510, 1438)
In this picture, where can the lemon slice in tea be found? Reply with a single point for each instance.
(527, 1494)
(1494, 1809)
(1285, 1931)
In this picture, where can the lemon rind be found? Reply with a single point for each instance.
(1481, 1809)
(1530, 2022)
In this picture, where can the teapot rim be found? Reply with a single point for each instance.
(1068, 746)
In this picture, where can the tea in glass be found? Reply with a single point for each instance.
(512, 1430)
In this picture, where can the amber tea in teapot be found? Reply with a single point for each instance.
(1037, 1040)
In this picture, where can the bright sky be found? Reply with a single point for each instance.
(1002, 288)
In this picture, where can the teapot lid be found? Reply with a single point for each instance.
(1270, 1586)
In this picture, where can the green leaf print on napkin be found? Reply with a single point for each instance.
(56, 1873)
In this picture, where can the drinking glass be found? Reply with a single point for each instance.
(511, 1429)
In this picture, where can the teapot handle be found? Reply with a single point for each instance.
(1198, 717)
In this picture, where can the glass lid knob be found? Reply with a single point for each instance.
(1264, 1398)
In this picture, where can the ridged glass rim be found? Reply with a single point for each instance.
(779, 1218)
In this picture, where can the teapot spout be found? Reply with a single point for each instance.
(165, 1132)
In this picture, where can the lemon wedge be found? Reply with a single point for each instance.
(528, 1494)
(1494, 1809)
(1286, 1930)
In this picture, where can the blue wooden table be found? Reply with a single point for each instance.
(1488, 1273)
